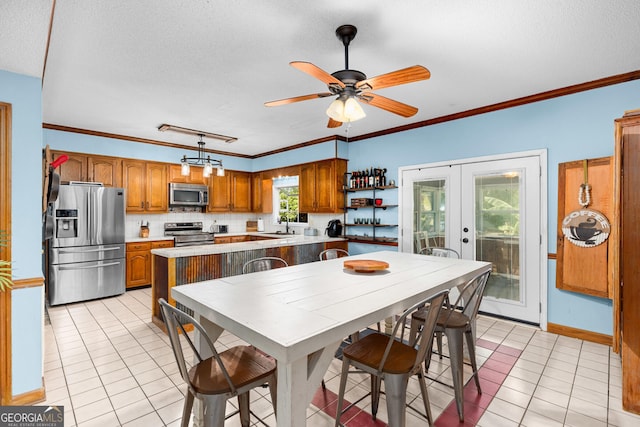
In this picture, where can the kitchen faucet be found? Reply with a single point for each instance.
(286, 228)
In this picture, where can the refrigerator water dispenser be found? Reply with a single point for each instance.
(66, 223)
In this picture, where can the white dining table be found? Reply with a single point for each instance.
(300, 314)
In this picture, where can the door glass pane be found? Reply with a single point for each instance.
(429, 214)
(498, 232)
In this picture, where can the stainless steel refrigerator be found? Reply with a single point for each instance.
(87, 251)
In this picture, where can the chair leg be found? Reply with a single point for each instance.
(439, 343)
(323, 385)
(343, 386)
(214, 410)
(243, 406)
(273, 389)
(396, 392)
(471, 345)
(425, 396)
(375, 395)
(454, 339)
(186, 410)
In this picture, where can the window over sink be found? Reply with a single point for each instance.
(286, 198)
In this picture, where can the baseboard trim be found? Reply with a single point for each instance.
(30, 397)
(590, 336)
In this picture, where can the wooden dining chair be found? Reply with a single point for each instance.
(391, 359)
(457, 322)
(215, 379)
(333, 253)
(442, 252)
(263, 263)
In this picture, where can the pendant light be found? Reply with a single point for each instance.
(207, 162)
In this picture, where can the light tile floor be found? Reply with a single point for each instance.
(110, 366)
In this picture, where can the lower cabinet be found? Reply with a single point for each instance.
(139, 261)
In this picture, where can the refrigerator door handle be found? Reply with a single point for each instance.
(90, 232)
(84, 251)
(90, 267)
(97, 196)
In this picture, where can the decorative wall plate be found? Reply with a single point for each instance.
(586, 228)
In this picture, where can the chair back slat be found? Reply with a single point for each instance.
(471, 295)
(333, 253)
(435, 301)
(263, 264)
(174, 319)
(441, 252)
(425, 337)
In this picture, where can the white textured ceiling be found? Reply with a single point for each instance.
(125, 67)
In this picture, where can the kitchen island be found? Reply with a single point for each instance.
(183, 265)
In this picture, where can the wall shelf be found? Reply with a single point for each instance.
(373, 239)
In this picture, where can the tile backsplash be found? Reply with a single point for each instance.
(235, 221)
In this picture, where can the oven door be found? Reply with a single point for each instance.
(193, 239)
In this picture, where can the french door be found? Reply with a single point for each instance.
(487, 210)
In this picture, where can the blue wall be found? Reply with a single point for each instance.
(573, 127)
(24, 94)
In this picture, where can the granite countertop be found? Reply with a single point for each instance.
(279, 240)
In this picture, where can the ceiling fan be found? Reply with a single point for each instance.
(352, 85)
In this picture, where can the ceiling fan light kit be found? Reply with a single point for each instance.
(353, 85)
(345, 110)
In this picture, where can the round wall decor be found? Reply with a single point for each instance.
(586, 228)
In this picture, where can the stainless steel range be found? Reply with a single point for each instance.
(188, 233)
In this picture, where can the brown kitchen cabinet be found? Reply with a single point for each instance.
(321, 186)
(261, 193)
(107, 170)
(139, 261)
(74, 169)
(90, 168)
(230, 193)
(146, 184)
(196, 175)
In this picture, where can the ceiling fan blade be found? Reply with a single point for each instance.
(390, 105)
(395, 78)
(318, 73)
(297, 99)
(333, 123)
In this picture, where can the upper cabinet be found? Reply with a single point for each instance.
(230, 193)
(107, 170)
(74, 169)
(261, 193)
(90, 168)
(196, 175)
(148, 191)
(321, 186)
(146, 184)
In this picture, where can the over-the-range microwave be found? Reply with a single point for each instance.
(188, 194)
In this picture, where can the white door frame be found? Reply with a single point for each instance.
(405, 230)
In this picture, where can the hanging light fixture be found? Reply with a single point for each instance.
(207, 162)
